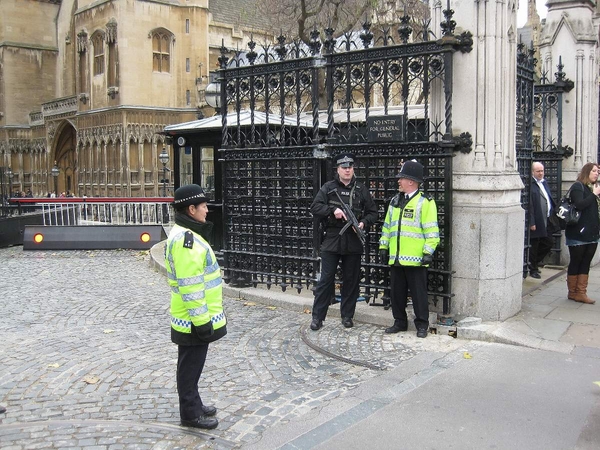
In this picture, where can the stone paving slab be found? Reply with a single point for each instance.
(539, 327)
(582, 335)
(585, 314)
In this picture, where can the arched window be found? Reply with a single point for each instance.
(161, 50)
(98, 43)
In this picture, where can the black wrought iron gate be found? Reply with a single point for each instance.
(539, 134)
(298, 105)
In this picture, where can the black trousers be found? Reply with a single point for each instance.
(580, 258)
(325, 289)
(190, 362)
(540, 247)
(403, 278)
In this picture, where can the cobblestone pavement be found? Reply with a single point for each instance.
(87, 362)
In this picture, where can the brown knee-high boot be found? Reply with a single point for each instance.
(582, 283)
(572, 286)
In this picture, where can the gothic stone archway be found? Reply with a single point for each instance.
(66, 159)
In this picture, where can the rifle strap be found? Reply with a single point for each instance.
(345, 227)
(351, 196)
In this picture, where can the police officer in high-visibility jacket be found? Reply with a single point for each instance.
(409, 237)
(197, 316)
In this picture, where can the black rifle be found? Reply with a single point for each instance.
(351, 218)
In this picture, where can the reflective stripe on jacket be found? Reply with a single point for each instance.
(196, 286)
(410, 232)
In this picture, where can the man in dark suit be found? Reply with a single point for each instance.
(541, 225)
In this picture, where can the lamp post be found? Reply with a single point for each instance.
(55, 173)
(164, 159)
(9, 175)
(212, 95)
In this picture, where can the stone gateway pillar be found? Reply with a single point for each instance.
(569, 37)
(488, 220)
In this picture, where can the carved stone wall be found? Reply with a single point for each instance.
(125, 105)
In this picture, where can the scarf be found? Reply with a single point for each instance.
(203, 229)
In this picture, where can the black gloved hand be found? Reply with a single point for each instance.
(383, 256)
(205, 331)
(427, 260)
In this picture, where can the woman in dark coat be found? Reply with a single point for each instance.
(582, 237)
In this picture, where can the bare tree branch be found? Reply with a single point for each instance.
(297, 18)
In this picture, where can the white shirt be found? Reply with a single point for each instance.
(545, 194)
(410, 194)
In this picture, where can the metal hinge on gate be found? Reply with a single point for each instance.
(463, 143)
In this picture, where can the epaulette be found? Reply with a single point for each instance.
(428, 196)
(188, 239)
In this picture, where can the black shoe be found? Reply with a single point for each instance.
(316, 324)
(209, 410)
(422, 333)
(347, 322)
(207, 423)
(2, 409)
(535, 275)
(396, 328)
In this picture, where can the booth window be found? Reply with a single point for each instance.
(206, 166)
(208, 171)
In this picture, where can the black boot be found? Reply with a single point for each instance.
(209, 410)
(396, 328)
(206, 423)
(347, 322)
(316, 324)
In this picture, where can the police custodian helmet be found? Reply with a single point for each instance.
(411, 170)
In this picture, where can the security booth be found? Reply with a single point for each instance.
(196, 155)
(195, 159)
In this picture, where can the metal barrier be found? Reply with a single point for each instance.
(94, 223)
(98, 237)
(99, 210)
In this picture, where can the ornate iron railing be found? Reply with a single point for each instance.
(322, 99)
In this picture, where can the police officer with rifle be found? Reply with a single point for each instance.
(345, 208)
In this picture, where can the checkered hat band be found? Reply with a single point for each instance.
(190, 198)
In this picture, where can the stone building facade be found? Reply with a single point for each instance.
(87, 85)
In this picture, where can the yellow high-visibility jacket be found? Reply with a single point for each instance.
(196, 288)
(410, 232)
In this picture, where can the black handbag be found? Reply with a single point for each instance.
(566, 212)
